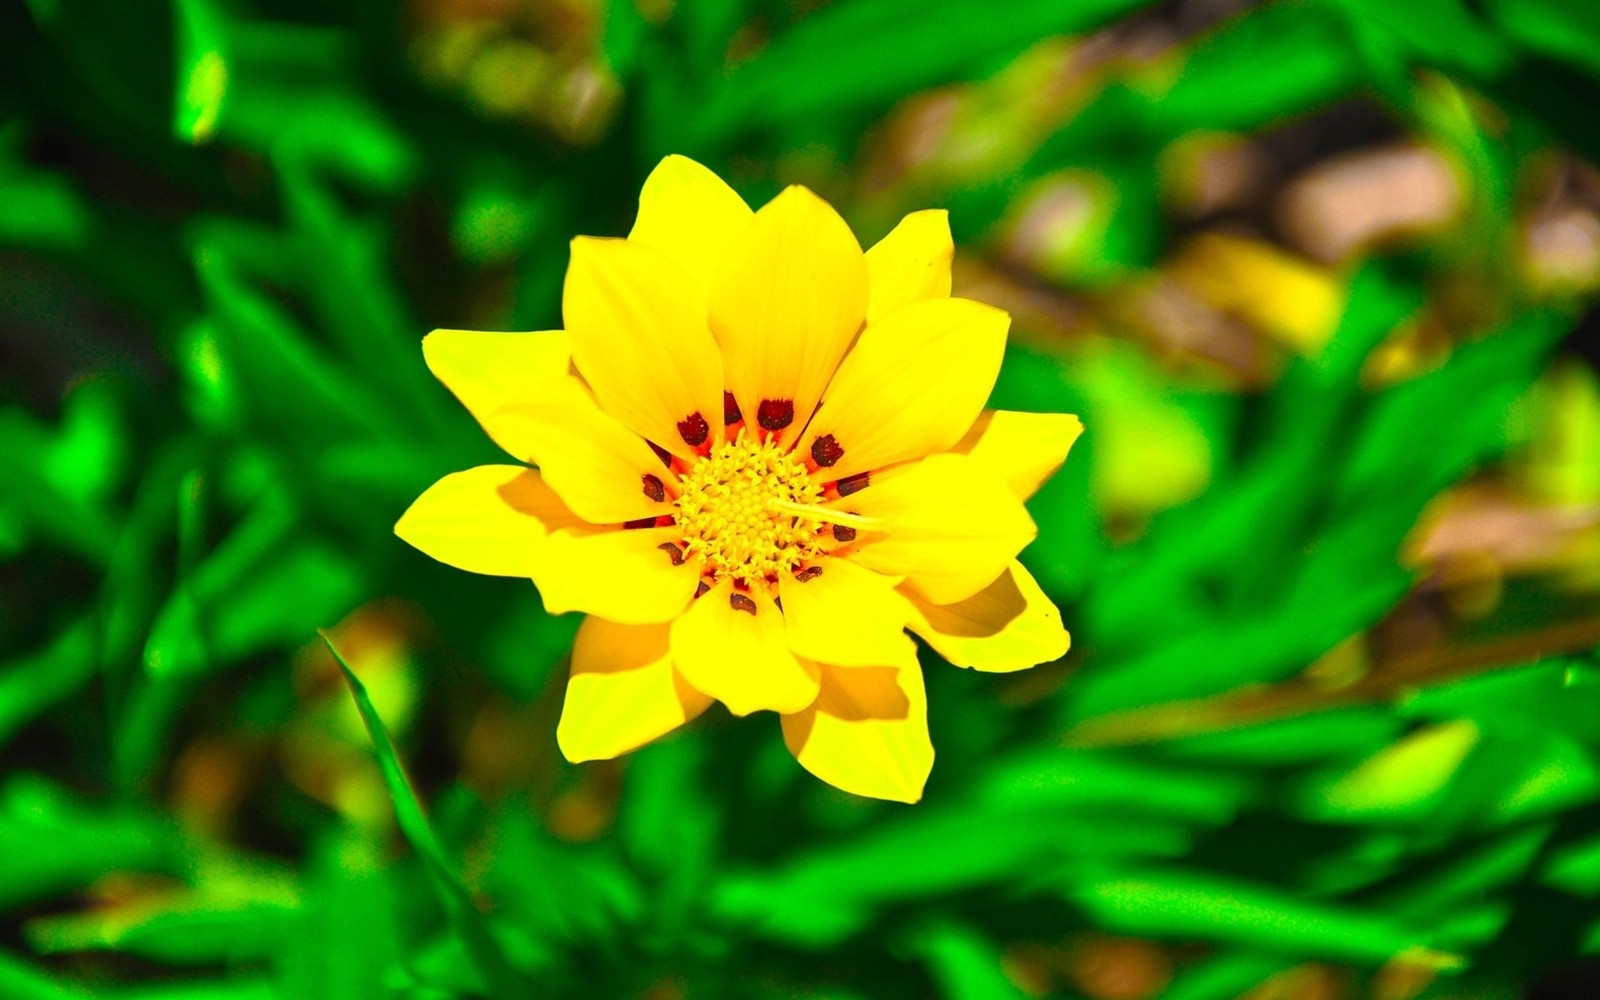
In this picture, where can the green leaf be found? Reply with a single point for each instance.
(876, 51)
(1226, 85)
(1224, 977)
(1575, 868)
(189, 932)
(469, 923)
(347, 940)
(669, 824)
(285, 89)
(824, 894)
(1443, 32)
(1566, 31)
(54, 843)
(964, 964)
(1431, 895)
(1523, 704)
(31, 684)
(43, 211)
(258, 589)
(1186, 905)
(1290, 742)
(1400, 781)
(203, 70)
(1083, 780)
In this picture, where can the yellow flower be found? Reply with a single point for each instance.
(762, 456)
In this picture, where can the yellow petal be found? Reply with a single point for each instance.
(490, 371)
(910, 264)
(485, 520)
(1008, 625)
(598, 466)
(911, 386)
(639, 338)
(740, 658)
(867, 733)
(785, 307)
(622, 575)
(688, 213)
(947, 526)
(507, 521)
(622, 692)
(1023, 449)
(846, 614)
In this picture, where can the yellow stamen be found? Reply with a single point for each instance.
(748, 509)
(827, 514)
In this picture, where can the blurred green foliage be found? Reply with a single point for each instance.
(1315, 273)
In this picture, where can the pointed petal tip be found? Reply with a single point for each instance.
(680, 160)
(803, 195)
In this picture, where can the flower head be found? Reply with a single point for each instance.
(761, 455)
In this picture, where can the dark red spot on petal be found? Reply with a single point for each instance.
(826, 451)
(807, 574)
(640, 522)
(654, 488)
(694, 429)
(775, 414)
(700, 590)
(853, 484)
(665, 521)
(741, 602)
(673, 551)
(843, 533)
(661, 453)
(730, 410)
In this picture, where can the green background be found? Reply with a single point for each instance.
(1314, 274)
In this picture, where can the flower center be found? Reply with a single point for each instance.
(737, 511)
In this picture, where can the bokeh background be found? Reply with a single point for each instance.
(1317, 275)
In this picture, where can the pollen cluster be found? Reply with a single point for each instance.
(736, 512)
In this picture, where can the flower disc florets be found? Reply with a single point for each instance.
(736, 510)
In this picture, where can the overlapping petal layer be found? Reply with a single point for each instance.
(1023, 449)
(621, 575)
(785, 306)
(912, 263)
(1008, 625)
(505, 520)
(845, 614)
(740, 655)
(639, 338)
(943, 524)
(623, 692)
(867, 732)
(912, 385)
(689, 214)
(488, 520)
(596, 465)
(490, 371)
